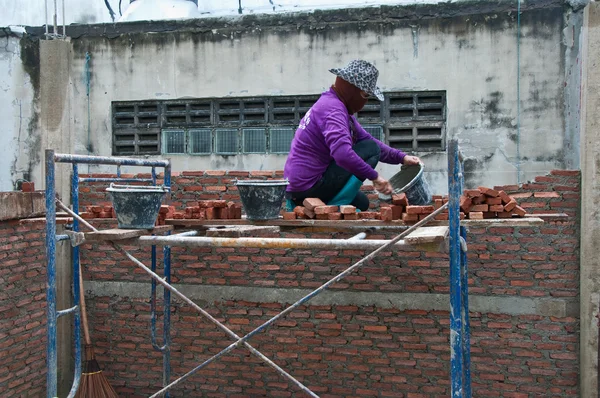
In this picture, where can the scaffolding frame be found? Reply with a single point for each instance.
(459, 311)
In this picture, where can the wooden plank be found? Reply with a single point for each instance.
(121, 234)
(239, 231)
(427, 235)
(18, 205)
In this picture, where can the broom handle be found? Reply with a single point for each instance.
(86, 331)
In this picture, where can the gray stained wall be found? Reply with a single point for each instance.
(470, 50)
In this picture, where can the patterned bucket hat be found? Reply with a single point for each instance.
(361, 74)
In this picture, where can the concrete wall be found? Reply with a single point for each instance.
(19, 145)
(590, 204)
(472, 55)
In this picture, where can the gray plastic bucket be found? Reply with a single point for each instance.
(136, 206)
(262, 199)
(411, 181)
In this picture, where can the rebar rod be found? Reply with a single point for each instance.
(194, 305)
(303, 299)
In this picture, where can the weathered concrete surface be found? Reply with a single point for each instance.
(590, 203)
(17, 205)
(55, 110)
(468, 49)
(19, 141)
(206, 294)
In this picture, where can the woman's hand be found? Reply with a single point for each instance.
(382, 185)
(410, 160)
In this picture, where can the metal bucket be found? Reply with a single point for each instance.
(262, 199)
(411, 181)
(136, 206)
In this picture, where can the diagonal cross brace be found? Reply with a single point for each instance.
(303, 300)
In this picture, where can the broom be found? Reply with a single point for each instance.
(93, 382)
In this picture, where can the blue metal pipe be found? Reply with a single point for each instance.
(167, 295)
(51, 359)
(91, 179)
(153, 302)
(465, 318)
(68, 158)
(456, 328)
(76, 283)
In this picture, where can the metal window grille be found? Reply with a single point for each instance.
(173, 141)
(200, 141)
(136, 142)
(416, 121)
(375, 131)
(289, 110)
(280, 139)
(226, 141)
(372, 112)
(255, 140)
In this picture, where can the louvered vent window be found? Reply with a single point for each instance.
(416, 121)
(412, 121)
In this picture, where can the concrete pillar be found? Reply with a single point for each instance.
(55, 115)
(590, 201)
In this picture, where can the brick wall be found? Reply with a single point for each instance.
(350, 350)
(22, 309)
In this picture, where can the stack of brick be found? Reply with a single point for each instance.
(98, 212)
(475, 204)
(210, 210)
(483, 203)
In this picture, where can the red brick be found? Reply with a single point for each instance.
(219, 203)
(28, 187)
(353, 216)
(299, 211)
(415, 210)
(510, 205)
(504, 214)
(406, 217)
(504, 196)
(400, 199)
(496, 208)
(397, 212)
(322, 216)
(368, 215)
(472, 193)
(325, 209)
(334, 216)
(518, 210)
(479, 208)
(573, 173)
(289, 215)
(437, 203)
(489, 192)
(465, 203)
(210, 213)
(546, 195)
(205, 204)
(309, 213)
(311, 203)
(476, 215)
(493, 201)
(386, 214)
(347, 209)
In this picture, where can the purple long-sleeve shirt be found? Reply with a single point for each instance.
(325, 135)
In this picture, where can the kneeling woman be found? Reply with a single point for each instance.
(330, 146)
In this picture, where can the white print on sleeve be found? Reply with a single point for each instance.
(305, 120)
